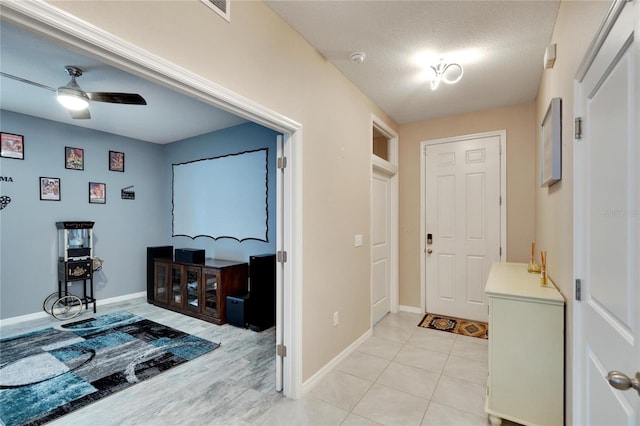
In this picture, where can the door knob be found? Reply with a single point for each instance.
(429, 251)
(622, 382)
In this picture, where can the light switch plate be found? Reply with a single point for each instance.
(357, 240)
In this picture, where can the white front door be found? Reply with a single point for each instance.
(607, 232)
(462, 224)
(380, 245)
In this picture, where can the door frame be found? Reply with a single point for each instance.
(390, 169)
(502, 135)
(577, 344)
(46, 20)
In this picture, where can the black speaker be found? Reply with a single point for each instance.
(165, 252)
(262, 288)
(188, 255)
(237, 309)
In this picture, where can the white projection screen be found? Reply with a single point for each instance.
(222, 197)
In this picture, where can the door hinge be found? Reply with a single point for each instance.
(578, 289)
(281, 350)
(282, 256)
(577, 128)
(500, 251)
(282, 163)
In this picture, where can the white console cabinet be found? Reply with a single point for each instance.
(526, 348)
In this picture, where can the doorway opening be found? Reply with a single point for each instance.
(47, 21)
(463, 221)
(384, 221)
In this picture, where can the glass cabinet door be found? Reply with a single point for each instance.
(192, 290)
(175, 297)
(162, 282)
(210, 291)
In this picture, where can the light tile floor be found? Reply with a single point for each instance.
(401, 375)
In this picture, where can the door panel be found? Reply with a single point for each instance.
(380, 246)
(608, 215)
(462, 208)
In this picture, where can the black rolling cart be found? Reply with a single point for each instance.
(75, 263)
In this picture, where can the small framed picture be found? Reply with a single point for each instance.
(73, 158)
(97, 193)
(11, 146)
(116, 161)
(50, 189)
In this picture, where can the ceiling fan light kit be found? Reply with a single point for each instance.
(72, 99)
(71, 96)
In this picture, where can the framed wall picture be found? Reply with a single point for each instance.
(97, 193)
(73, 158)
(49, 188)
(116, 161)
(551, 144)
(11, 146)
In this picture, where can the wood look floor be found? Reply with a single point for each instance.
(402, 375)
(234, 384)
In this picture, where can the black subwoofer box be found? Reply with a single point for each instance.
(187, 255)
(262, 288)
(237, 310)
(165, 252)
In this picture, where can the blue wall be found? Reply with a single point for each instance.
(123, 229)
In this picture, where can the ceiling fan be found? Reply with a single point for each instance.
(76, 100)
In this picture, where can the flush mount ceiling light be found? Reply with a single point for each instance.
(71, 96)
(448, 73)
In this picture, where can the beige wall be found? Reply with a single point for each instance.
(519, 122)
(261, 58)
(575, 27)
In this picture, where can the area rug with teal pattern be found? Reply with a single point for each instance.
(48, 373)
(456, 325)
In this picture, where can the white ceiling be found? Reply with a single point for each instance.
(500, 44)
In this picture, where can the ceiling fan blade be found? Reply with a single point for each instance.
(82, 114)
(24, 80)
(117, 98)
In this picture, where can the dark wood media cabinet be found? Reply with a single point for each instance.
(198, 289)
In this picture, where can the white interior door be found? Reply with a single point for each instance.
(380, 245)
(462, 209)
(607, 244)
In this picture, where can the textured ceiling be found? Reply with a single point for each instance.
(500, 44)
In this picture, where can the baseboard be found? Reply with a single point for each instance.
(410, 309)
(321, 374)
(22, 318)
(121, 298)
(43, 314)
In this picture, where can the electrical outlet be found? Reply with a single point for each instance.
(357, 240)
(336, 318)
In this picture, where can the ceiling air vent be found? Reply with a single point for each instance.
(221, 7)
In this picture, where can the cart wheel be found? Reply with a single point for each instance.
(50, 300)
(67, 307)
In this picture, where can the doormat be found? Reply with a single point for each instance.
(456, 325)
(48, 373)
